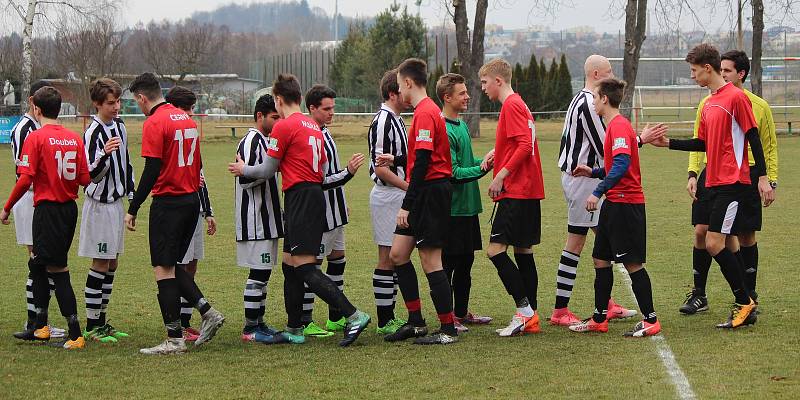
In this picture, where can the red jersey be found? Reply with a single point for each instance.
(297, 142)
(621, 139)
(726, 117)
(170, 135)
(55, 158)
(429, 132)
(517, 150)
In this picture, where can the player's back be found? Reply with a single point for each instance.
(56, 159)
(298, 143)
(171, 135)
(516, 127)
(429, 132)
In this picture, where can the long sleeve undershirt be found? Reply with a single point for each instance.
(152, 167)
(619, 167)
(421, 162)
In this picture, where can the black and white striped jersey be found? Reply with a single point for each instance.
(335, 204)
(205, 201)
(19, 133)
(112, 175)
(583, 136)
(257, 201)
(387, 135)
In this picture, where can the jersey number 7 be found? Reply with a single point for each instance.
(180, 137)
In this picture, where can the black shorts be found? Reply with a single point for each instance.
(464, 237)
(429, 217)
(621, 233)
(701, 208)
(304, 219)
(173, 220)
(749, 219)
(726, 207)
(517, 222)
(53, 228)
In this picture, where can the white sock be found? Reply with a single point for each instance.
(526, 311)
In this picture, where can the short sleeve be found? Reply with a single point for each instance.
(83, 165)
(278, 141)
(29, 156)
(701, 123)
(425, 132)
(621, 139)
(152, 141)
(743, 113)
(516, 121)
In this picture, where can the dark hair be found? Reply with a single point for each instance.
(288, 88)
(146, 84)
(100, 88)
(36, 86)
(264, 105)
(703, 54)
(316, 94)
(48, 99)
(447, 83)
(612, 88)
(389, 84)
(740, 61)
(415, 69)
(181, 97)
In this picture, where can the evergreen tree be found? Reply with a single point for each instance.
(564, 84)
(534, 84)
(545, 85)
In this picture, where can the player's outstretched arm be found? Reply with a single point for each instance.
(652, 133)
(265, 170)
(341, 177)
(619, 167)
(22, 185)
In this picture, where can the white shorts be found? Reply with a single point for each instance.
(384, 203)
(102, 229)
(331, 240)
(257, 254)
(576, 190)
(196, 249)
(23, 219)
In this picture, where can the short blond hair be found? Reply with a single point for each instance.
(496, 67)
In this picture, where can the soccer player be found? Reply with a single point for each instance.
(320, 102)
(734, 68)
(296, 146)
(622, 227)
(726, 124)
(102, 229)
(458, 254)
(423, 216)
(171, 148)
(387, 135)
(517, 189)
(23, 211)
(54, 161)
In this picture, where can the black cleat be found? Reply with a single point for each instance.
(354, 328)
(695, 302)
(28, 335)
(437, 338)
(406, 331)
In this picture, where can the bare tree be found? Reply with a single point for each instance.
(758, 34)
(10, 69)
(635, 25)
(183, 48)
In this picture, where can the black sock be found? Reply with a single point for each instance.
(67, 303)
(603, 282)
(168, 300)
(40, 288)
(565, 280)
(449, 262)
(308, 300)
(442, 297)
(383, 289)
(255, 293)
(511, 278)
(732, 272)
(325, 288)
(461, 284)
(190, 291)
(409, 287)
(701, 263)
(530, 277)
(643, 290)
(750, 260)
(31, 324)
(336, 273)
(108, 287)
(292, 296)
(93, 294)
(186, 313)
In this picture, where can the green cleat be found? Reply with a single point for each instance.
(391, 326)
(114, 332)
(294, 336)
(314, 330)
(99, 334)
(336, 326)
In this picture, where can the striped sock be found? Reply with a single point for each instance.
(29, 299)
(385, 291)
(308, 302)
(108, 286)
(93, 294)
(255, 296)
(336, 273)
(565, 280)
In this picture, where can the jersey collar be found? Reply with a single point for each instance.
(153, 110)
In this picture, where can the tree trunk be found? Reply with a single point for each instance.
(27, 55)
(635, 22)
(739, 27)
(470, 56)
(758, 33)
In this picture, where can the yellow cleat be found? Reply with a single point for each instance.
(42, 333)
(741, 315)
(78, 343)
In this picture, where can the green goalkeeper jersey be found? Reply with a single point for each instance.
(466, 171)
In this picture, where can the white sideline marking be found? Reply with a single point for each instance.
(682, 387)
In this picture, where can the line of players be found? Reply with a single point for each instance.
(425, 188)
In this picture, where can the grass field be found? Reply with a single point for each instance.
(758, 362)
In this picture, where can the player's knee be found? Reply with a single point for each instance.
(747, 239)
(700, 232)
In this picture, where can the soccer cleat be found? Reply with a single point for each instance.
(212, 321)
(258, 333)
(314, 330)
(42, 333)
(354, 328)
(99, 334)
(169, 346)
(741, 315)
(694, 303)
(58, 333)
(616, 311)
(564, 317)
(249, 333)
(391, 327)
(520, 325)
(460, 328)
(190, 334)
(116, 333)
(437, 337)
(336, 326)
(406, 331)
(76, 344)
(472, 319)
(590, 325)
(643, 329)
(290, 335)
(29, 335)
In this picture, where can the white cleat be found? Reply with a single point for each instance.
(169, 346)
(212, 321)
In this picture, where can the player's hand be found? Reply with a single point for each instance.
(660, 141)
(496, 187)
(212, 226)
(591, 203)
(402, 218)
(355, 163)
(130, 222)
(649, 134)
(4, 217)
(236, 168)
(112, 145)
(766, 191)
(203, 180)
(384, 160)
(582, 170)
(488, 161)
(691, 187)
